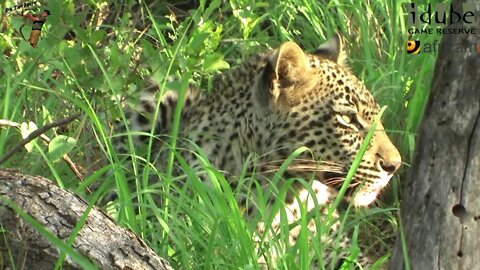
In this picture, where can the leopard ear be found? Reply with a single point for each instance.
(287, 66)
(332, 49)
(289, 62)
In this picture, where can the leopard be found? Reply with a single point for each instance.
(270, 106)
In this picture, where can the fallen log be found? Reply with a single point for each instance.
(102, 242)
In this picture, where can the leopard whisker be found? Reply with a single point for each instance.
(279, 162)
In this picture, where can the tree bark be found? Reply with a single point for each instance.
(100, 240)
(441, 202)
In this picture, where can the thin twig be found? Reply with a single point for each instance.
(37, 133)
(70, 163)
(4, 122)
(44, 137)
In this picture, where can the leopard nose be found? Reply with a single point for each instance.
(389, 166)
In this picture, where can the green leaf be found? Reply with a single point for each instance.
(212, 7)
(25, 130)
(97, 36)
(197, 42)
(214, 62)
(115, 56)
(59, 146)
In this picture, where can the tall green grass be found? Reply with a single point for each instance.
(194, 224)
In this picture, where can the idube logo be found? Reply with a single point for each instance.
(425, 19)
(434, 19)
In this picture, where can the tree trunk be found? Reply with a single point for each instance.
(441, 200)
(100, 240)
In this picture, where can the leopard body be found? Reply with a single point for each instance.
(273, 104)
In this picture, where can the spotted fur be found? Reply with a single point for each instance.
(274, 103)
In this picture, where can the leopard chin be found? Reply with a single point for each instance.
(369, 191)
(358, 193)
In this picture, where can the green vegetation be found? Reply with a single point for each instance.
(198, 225)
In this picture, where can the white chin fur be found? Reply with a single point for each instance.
(367, 195)
(364, 198)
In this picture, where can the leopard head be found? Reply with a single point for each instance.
(313, 100)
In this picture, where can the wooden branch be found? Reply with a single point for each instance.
(100, 240)
(45, 138)
(440, 208)
(36, 133)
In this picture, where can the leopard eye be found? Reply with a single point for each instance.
(346, 119)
